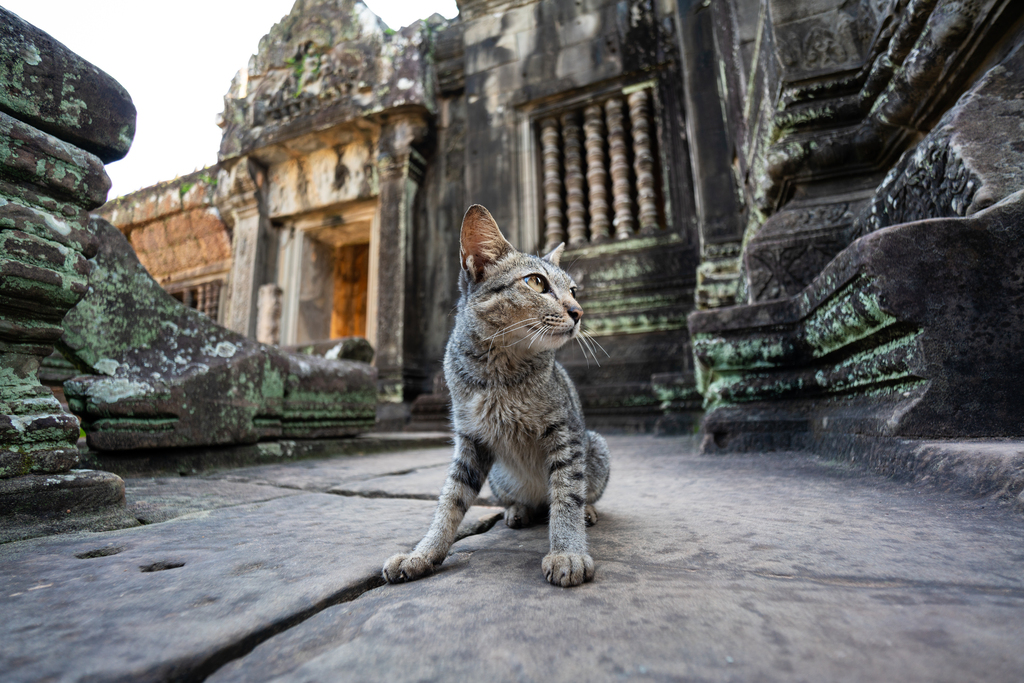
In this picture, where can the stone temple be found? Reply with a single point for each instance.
(797, 226)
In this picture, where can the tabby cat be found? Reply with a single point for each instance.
(515, 412)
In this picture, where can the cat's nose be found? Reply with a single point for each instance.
(575, 312)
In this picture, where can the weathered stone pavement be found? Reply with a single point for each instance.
(767, 568)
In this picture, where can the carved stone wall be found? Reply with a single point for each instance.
(834, 93)
(879, 156)
(576, 131)
(560, 117)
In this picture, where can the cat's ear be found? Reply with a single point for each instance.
(556, 254)
(482, 243)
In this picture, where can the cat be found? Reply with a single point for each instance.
(515, 413)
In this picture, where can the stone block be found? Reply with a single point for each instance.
(581, 28)
(511, 21)
(165, 375)
(84, 490)
(879, 344)
(54, 90)
(491, 52)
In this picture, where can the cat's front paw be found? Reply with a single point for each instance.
(402, 568)
(567, 569)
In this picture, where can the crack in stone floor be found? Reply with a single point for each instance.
(351, 593)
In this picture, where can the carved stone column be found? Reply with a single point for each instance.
(623, 221)
(643, 161)
(554, 232)
(55, 143)
(574, 196)
(238, 202)
(401, 172)
(597, 175)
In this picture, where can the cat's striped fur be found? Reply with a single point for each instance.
(515, 412)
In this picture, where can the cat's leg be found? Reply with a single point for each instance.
(568, 563)
(598, 468)
(466, 475)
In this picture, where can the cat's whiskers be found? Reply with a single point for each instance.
(584, 350)
(539, 333)
(532, 327)
(511, 328)
(590, 336)
(583, 340)
(507, 329)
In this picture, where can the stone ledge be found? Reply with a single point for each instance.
(983, 468)
(41, 505)
(186, 461)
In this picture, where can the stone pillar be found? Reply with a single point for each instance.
(597, 175)
(554, 233)
(55, 143)
(268, 315)
(643, 161)
(623, 220)
(720, 212)
(237, 200)
(400, 169)
(574, 196)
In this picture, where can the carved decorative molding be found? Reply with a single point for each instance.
(554, 234)
(574, 194)
(617, 144)
(597, 176)
(643, 162)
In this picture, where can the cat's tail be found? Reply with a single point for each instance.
(598, 465)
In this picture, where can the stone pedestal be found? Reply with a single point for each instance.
(55, 140)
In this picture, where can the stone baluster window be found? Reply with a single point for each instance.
(599, 163)
(204, 297)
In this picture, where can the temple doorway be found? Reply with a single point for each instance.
(324, 272)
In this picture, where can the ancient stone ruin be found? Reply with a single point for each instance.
(878, 149)
(146, 371)
(350, 152)
(795, 225)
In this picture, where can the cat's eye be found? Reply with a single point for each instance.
(536, 283)
(572, 290)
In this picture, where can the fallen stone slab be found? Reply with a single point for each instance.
(768, 568)
(50, 87)
(163, 375)
(174, 601)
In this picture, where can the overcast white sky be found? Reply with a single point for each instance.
(177, 59)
